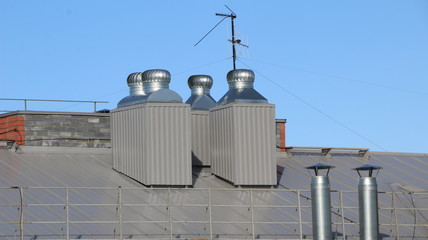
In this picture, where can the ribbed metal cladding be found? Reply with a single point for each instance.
(321, 208)
(368, 208)
(151, 143)
(243, 143)
(201, 142)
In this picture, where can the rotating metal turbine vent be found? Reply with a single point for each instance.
(200, 98)
(241, 88)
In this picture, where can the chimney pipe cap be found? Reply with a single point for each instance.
(368, 168)
(320, 166)
(156, 75)
(240, 75)
(135, 79)
(200, 81)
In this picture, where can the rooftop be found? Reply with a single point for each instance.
(74, 193)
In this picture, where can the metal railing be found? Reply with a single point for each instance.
(168, 213)
(25, 101)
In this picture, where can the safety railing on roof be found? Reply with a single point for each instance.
(25, 101)
(125, 213)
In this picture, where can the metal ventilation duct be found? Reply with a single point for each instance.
(368, 203)
(156, 86)
(151, 140)
(368, 208)
(243, 134)
(321, 203)
(136, 91)
(151, 143)
(200, 102)
(243, 143)
(241, 88)
(200, 98)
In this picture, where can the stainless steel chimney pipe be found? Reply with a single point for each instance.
(368, 204)
(321, 203)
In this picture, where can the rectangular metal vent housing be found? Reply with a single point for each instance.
(243, 143)
(151, 143)
(201, 142)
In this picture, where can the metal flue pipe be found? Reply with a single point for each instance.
(321, 203)
(368, 204)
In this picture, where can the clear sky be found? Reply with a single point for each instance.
(343, 73)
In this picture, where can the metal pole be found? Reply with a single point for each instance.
(169, 213)
(233, 43)
(368, 208)
(21, 214)
(396, 218)
(209, 213)
(321, 208)
(67, 214)
(120, 214)
(252, 214)
(95, 106)
(299, 206)
(343, 214)
(25, 104)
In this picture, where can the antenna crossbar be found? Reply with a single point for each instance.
(226, 15)
(232, 16)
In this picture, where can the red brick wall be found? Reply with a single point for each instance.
(282, 136)
(12, 128)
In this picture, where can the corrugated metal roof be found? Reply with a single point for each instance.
(94, 195)
(60, 167)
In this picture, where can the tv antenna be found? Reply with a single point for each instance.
(234, 41)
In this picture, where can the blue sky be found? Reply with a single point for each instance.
(343, 73)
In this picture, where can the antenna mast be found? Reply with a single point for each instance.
(232, 16)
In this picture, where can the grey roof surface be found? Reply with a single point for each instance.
(93, 195)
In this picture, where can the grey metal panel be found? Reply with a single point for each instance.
(243, 140)
(201, 141)
(201, 102)
(152, 142)
(222, 139)
(131, 100)
(58, 167)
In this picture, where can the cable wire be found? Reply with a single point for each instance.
(209, 32)
(339, 77)
(315, 108)
(175, 74)
(201, 66)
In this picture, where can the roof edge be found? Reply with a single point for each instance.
(52, 113)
